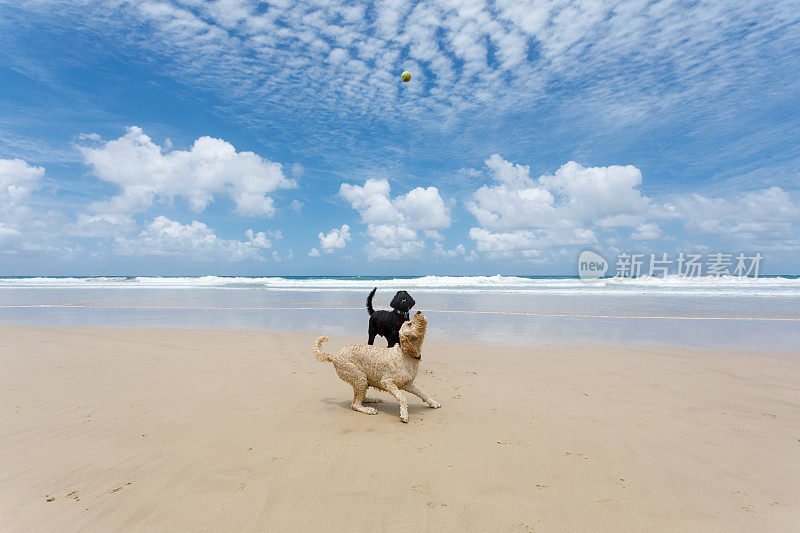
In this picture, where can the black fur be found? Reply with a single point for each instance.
(387, 323)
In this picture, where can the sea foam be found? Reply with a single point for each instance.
(724, 285)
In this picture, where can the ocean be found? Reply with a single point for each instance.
(709, 312)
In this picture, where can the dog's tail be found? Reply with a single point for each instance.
(320, 355)
(370, 310)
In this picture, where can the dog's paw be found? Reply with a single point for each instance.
(435, 405)
(364, 409)
(404, 419)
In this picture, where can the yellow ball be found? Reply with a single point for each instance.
(406, 77)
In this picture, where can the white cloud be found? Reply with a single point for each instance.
(371, 200)
(626, 59)
(165, 237)
(423, 209)
(392, 242)
(469, 173)
(579, 206)
(100, 225)
(765, 217)
(433, 234)
(259, 240)
(9, 237)
(314, 252)
(146, 173)
(297, 170)
(393, 224)
(389, 235)
(25, 226)
(647, 231)
(508, 207)
(604, 194)
(336, 239)
(17, 180)
(518, 212)
(459, 251)
(529, 240)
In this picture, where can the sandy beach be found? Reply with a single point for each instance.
(166, 429)
(594, 205)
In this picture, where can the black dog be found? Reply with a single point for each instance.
(387, 323)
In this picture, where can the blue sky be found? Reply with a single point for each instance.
(244, 137)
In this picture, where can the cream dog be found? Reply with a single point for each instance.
(390, 369)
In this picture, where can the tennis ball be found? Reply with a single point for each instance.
(406, 77)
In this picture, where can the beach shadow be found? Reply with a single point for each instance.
(388, 405)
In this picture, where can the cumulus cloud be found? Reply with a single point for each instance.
(459, 251)
(336, 239)
(371, 200)
(610, 196)
(24, 226)
(765, 217)
(17, 180)
(529, 240)
(165, 237)
(647, 231)
(579, 206)
(389, 241)
(424, 209)
(9, 238)
(567, 208)
(393, 224)
(100, 225)
(515, 201)
(146, 173)
(260, 239)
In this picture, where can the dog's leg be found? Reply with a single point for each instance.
(413, 389)
(392, 389)
(360, 386)
(372, 332)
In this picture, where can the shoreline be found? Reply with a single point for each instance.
(155, 428)
(511, 342)
(688, 319)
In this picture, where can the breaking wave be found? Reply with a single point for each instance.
(725, 285)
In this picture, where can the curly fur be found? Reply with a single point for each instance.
(387, 323)
(390, 369)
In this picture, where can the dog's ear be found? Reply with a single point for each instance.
(410, 345)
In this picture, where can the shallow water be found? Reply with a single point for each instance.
(725, 315)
